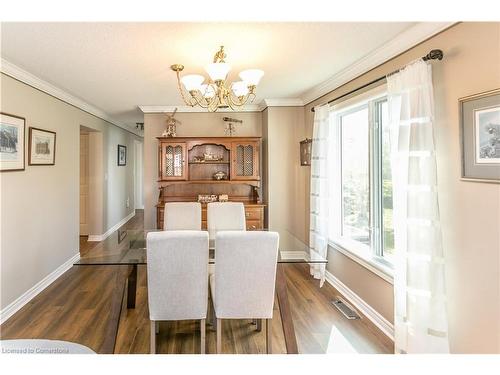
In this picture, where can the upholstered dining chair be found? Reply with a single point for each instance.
(182, 216)
(177, 270)
(242, 286)
(225, 216)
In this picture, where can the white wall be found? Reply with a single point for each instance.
(40, 205)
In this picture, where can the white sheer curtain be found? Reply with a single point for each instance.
(320, 196)
(420, 320)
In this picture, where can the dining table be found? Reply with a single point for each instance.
(129, 249)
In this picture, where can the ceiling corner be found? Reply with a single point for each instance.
(38, 83)
(403, 42)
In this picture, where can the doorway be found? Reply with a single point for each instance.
(91, 184)
(84, 182)
(138, 170)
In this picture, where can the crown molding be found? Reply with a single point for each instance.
(403, 42)
(197, 109)
(284, 102)
(280, 102)
(26, 77)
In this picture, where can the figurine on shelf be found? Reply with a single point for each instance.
(212, 157)
(220, 175)
(171, 130)
(207, 198)
(230, 129)
(223, 198)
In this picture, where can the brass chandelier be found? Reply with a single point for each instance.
(218, 93)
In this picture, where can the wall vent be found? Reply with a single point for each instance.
(345, 308)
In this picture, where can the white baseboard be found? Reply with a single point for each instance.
(383, 324)
(114, 228)
(31, 293)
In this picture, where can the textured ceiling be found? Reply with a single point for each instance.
(118, 66)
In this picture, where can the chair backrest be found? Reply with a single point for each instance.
(182, 216)
(225, 216)
(245, 274)
(177, 264)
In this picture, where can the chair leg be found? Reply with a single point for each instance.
(211, 309)
(157, 327)
(219, 335)
(202, 335)
(211, 314)
(152, 344)
(269, 334)
(259, 325)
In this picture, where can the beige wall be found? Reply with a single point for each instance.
(40, 205)
(192, 124)
(470, 211)
(265, 164)
(284, 177)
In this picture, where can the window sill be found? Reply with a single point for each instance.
(378, 266)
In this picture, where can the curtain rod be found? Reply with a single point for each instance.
(435, 54)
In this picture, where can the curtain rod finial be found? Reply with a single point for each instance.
(435, 54)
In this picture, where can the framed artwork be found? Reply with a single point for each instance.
(42, 147)
(480, 136)
(122, 155)
(12, 142)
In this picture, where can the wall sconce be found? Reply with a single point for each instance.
(305, 151)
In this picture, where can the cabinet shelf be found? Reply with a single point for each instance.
(208, 181)
(207, 162)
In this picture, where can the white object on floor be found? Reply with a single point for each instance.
(40, 346)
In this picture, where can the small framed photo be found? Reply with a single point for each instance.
(480, 136)
(122, 155)
(42, 147)
(12, 145)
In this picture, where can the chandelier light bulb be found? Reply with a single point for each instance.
(239, 88)
(252, 77)
(207, 91)
(192, 82)
(218, 71)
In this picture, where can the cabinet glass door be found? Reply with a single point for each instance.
(245, 161)
(173, 161)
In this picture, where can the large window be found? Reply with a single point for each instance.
(355, 172)
(363, 185)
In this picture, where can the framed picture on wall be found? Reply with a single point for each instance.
(122, 155)
(11, 142)
(480, 136)
(42, 147)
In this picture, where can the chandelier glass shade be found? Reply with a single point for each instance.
(217, 92)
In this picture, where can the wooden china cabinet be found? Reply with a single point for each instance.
(188, 166)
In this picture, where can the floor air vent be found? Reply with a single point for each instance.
(345, 308)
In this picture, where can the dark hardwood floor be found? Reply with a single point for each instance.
(77, 306)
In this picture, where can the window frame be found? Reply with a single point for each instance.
(369, 256)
